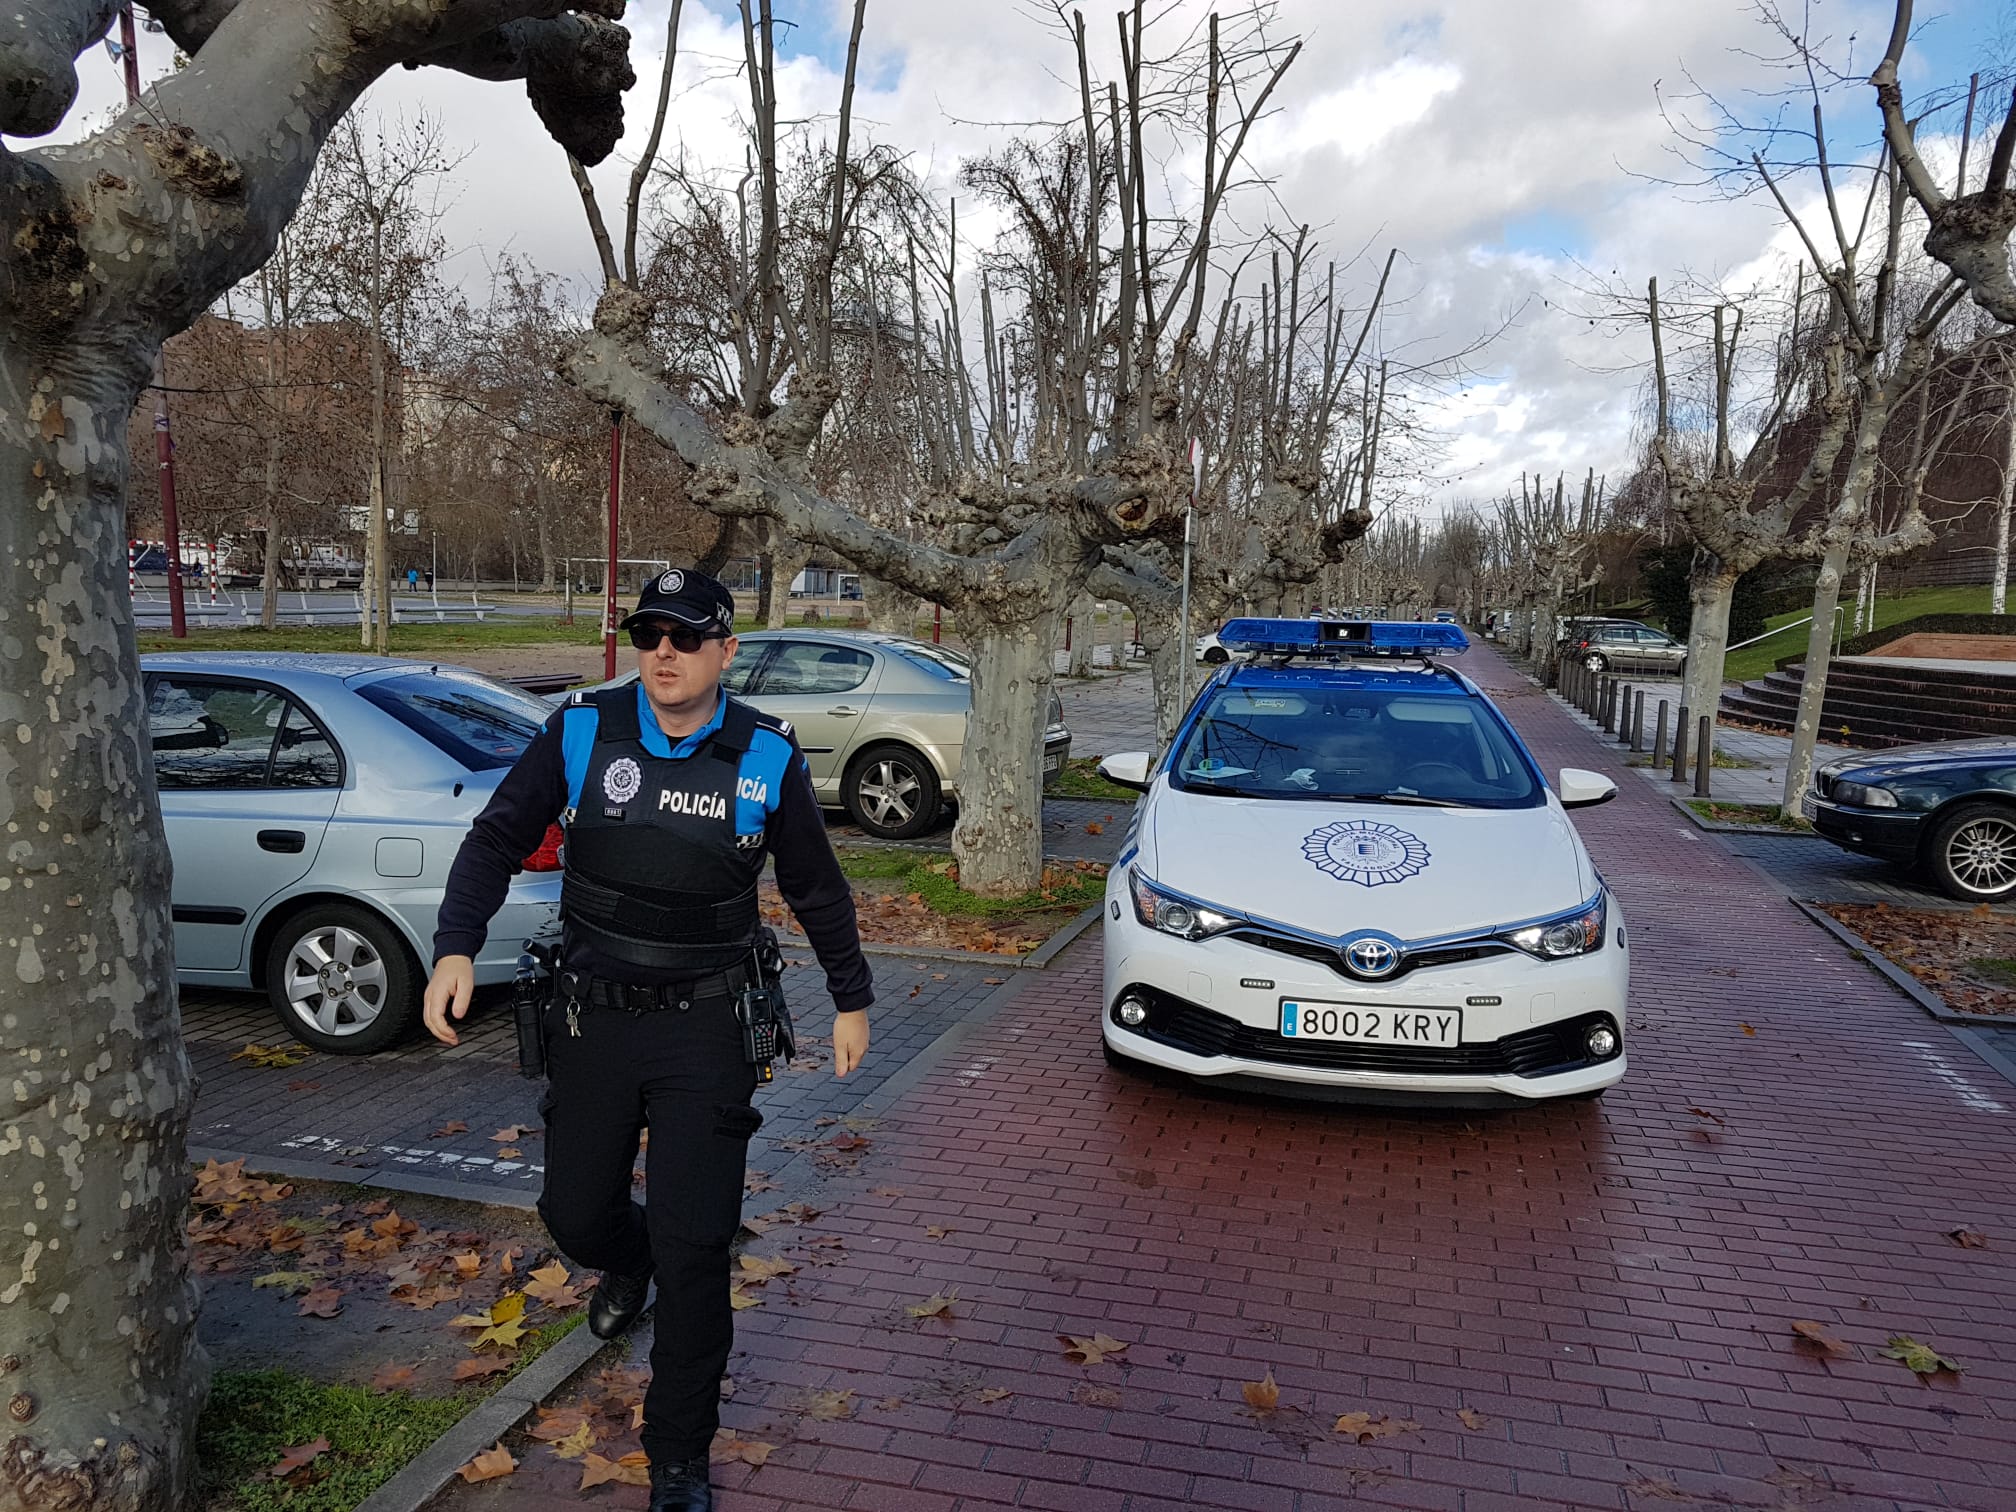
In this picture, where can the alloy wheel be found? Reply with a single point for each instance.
(335, 980)
(889, 792)
(1982, 855)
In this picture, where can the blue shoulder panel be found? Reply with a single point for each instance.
(577, 739)
(761, 789)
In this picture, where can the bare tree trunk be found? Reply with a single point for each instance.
(1813, 686)
(890, 609)
(1711, 588)
(269, 598)
(1084, 627)
(1998, 596)
(1162, 638)
(1000, 831)
(102, 1369)
(788, 559)
(546, 573)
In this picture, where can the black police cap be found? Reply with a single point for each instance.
(691, 598)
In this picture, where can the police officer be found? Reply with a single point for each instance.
(670, 794)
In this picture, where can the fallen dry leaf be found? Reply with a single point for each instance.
(991, 1394)
(514, 1133)
(1922, 1358)
(550, 1284)
(756, 1269)
(1094, 827)
(453, 1126)
(741, 1299)
(1747, 1029)
(489, 1465)
(1472, 1418)
(1262, 1395)
(1967, 1238)
(295, 1458)
(597, 1471)
(271, 1058)
(1090, 1351)
(728, 1449)
(468, 1265)
(482, 1365)
(509, 1153)
(391, 1377)
(935, 1231)
(323, 1302)
(885, 1191)
(1088, 1395)
(828, 1406)
(1365, 1428)
(936, 1306)
(556, 1423)
(575, 1444)
(1816, 1334)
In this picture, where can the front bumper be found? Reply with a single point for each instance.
(1214, 1014)
(1885, 833)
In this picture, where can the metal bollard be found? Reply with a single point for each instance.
(1680, 745)
(1638, 721)
(1704, 755)
(1612, 689)
(1659, 738)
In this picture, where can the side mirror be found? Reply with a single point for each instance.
(1128, 769)
(1580, 789)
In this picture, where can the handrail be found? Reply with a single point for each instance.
(1839, 610)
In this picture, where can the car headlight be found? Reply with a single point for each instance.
(1861, 795)
(1176, 916)
(1571, 934)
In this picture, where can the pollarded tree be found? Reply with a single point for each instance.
(107, 248)
(1041, 515)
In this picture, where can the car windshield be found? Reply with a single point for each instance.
(1375, 745)
(482, 724)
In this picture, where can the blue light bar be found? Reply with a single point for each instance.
(1341, 638)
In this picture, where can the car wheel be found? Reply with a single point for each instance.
(1596, 661)
(342, 980)
(892, 793)
(1213, 655)
(1972, 852)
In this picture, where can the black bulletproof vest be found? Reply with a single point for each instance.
(654, 877)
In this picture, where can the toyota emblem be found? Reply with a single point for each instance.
(1370, 956)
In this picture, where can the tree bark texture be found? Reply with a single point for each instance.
(787, 560)
(96, 1301)
(999, 836)
(2005, 497)
(1712, 589)
(1813, 685)
(111, 245)
(1083, 637)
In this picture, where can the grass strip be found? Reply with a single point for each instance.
(1080, 779)
(934, 878)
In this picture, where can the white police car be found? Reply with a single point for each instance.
(1348, 876)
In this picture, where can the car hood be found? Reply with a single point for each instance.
(1415, 873)
(1933, 756)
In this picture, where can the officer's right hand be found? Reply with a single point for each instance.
(448, 990)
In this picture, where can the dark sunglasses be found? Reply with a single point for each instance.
(684, 638)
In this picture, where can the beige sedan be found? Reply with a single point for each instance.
(881, 719)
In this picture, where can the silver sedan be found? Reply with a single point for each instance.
(881, 719)
(313, 804)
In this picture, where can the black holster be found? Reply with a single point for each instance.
(760, 1009)
(531, 986)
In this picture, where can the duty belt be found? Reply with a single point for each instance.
(578, 987)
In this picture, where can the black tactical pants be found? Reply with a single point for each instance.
(683, 1073)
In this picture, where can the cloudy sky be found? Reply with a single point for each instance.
(1501, 145)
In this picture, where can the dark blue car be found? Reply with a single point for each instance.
(1945, 810)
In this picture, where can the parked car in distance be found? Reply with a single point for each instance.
(313, 805)
(1945, 810)
(1617, 646)
(1444, 616)
(881, 719)
(1210, 651)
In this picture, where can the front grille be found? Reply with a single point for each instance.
(1544, 1051)
(1310, 950)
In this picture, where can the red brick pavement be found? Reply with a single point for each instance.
(1611, 1286)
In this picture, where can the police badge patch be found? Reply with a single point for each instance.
(622, 780)
(1361, 851)
(672, 581)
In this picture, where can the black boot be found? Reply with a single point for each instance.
(617, 1303)
(682, 1486)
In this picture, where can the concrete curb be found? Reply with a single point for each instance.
(1036, 960)
(294, 1168)
(416, 1485)
(1716, 828)
(1899, 978)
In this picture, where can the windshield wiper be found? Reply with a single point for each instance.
(1415, 799)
